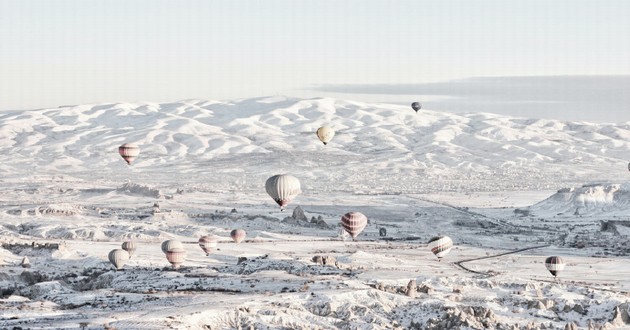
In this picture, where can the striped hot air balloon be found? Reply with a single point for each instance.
(171, 244)
(238, 235)
(130, 247)
(283, 188)
(176, 257)
(325, 134)
(554, 265)
(354, 223)
(440, 246)
(129, 152)
(208, 244)
(118, 258)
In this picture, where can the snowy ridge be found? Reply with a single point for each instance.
(588, 199)
(201, 136)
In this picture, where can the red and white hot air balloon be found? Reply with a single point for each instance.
(176, 257)
(129, 152)
(440, 246)
(208, 244)
(238, 235)
(354, 223)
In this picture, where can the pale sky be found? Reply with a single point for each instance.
(66, 52)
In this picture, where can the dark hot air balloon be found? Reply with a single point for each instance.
(554, 265)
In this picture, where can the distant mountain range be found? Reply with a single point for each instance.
(379, 148)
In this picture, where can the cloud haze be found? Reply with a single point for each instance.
(600, 98)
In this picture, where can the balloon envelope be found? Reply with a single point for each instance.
(416, 106)
(208, 244)
(354, 223)
(554, 265)
(130, 247)
(283, 188)
(172, 244)
(325, 134)
(238, 235)
(176, 257)
(129, 152)
(118, 258)
(440, 245)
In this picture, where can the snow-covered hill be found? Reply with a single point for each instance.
(374, 145)
(590, 199)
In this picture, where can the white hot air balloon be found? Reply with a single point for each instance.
(325, 134)
(354, 223)
(176, 257)
(130, 247)
(238, 235)
(118, 258)
(129, 152)
(440, 246)
(283, 188)
(172, 244)
(208, 244)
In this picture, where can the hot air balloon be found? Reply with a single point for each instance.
(554, 265)
(354, 223)
(238, 235)
(283, 188)
(118, 258)
(416, 106)
(325, 134)
(628, 166)
(207, 244)
(176, 257)
(129, 152)
(440, 246)
(130, 247)
(171, 244)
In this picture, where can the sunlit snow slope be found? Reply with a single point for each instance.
(375, 145)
